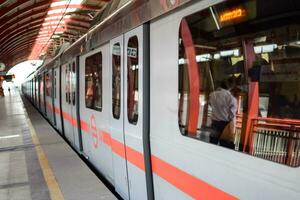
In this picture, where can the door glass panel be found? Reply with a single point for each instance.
(48, 83)
(67, 84)
(73, 82)
(116, 80)
(93, 82)
(55, 84)
(132, 79)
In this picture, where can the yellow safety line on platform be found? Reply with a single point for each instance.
(52, 184)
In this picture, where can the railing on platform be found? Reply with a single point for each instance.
(277, 140)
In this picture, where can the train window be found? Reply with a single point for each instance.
(48, 85)
(67, 84)
(116, 80)
(93, 81)
(239, 79)
(41, 85)
(55, 84)
(132, 79)
(73, 82)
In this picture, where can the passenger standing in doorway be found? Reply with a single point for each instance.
(224, 107)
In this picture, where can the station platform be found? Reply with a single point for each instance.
(36, 163)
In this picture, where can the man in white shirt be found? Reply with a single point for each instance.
(224, 107)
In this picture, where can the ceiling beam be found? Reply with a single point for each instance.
(4, 11)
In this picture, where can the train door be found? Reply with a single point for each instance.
(134, 122)
(56, 99)
(37, 100)
(39, 91)
(52, 99)
(127, 122)
(95, 107)
(116, 117)
(66, 101)
(43, 89)
(34, 90)
(73, 104)
(31, 90)
(49, 95)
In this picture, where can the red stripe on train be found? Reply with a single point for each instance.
(106, 138)
(84, 126)
(118, 148)
(135, 157)
(185, 182)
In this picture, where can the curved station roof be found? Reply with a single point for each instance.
(33, 29)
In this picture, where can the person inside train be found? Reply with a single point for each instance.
(89, 93)
(224, 107)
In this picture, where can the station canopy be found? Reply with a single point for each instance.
(35, 29)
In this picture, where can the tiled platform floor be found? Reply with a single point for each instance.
(21, 173)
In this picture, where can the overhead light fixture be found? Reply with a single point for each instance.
(63, 10)
(260, 39)
(295, 43)
(265, 48)
(181, 61)
(9, 136)
(55, 36)
(203, 57)
(227, 53)
(217, 56)
(205, 47)
(199, 58)
(58, 33)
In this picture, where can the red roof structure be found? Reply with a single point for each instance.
(30, 29)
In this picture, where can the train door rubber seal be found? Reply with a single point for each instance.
(60, 101)
(52, 94)
(146, 111)
(77, 102)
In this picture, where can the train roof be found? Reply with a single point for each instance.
(129, 16)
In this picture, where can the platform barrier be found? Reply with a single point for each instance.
(277, 140)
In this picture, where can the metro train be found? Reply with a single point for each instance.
(132, 96)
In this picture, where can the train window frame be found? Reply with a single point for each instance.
(95, 77)
(116, 81)
(133, 80)
(253, 56)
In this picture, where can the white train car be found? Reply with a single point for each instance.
(133, 97)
